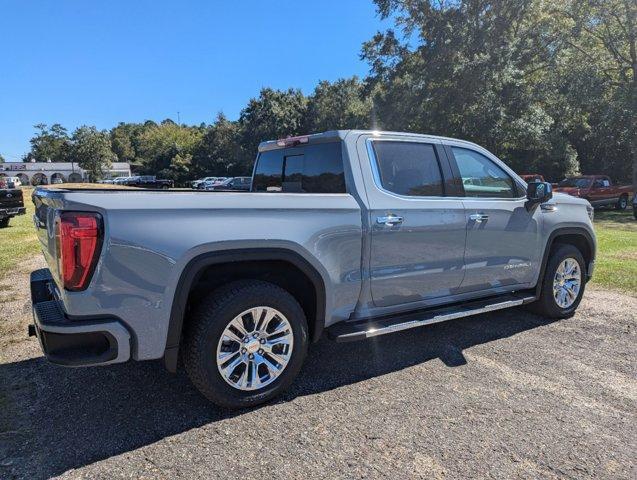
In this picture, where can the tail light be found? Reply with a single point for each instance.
(79, 241)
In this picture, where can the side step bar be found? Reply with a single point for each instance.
(362, 329)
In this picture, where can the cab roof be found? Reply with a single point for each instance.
(338, 135)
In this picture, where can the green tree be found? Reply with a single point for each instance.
(122, 138)
(219, 152)
(91, 149)
(1, 158)
(49, 144)
(546, 86)
(602, 40)
(472, 74)
(339, 105)
(166, 150)
(274, 114)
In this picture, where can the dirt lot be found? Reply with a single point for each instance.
(501, 395)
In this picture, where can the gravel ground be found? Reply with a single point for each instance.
(501, 395)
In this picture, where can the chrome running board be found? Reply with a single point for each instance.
(360, 330)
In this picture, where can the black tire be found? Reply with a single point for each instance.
(165, 187)
(546, 304)
(207, 324)
(4, 222)
(622, 203)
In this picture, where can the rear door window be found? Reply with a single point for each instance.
(310, 169)
(409, 168)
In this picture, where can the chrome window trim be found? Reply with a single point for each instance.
(429, 141)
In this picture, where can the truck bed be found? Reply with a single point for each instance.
(151, 235)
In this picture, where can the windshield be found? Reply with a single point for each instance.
(575, 182)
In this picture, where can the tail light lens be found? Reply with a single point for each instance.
(79, 241)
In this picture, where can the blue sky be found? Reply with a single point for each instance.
(98, 63)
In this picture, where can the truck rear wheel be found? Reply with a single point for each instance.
(245, 343)
(4, 222)
(622, 203)
(563, 283)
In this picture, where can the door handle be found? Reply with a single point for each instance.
(389, 220)
(478, 217)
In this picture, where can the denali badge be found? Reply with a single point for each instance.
(517, 265)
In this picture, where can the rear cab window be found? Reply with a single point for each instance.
(314, 168)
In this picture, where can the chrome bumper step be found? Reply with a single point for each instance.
(362, 329)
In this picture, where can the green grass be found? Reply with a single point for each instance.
(18, 241)
(616, 266)
(616, 263)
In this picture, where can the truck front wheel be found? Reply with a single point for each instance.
(563, 283)
(245, 343)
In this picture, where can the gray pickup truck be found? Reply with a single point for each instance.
(354, 234)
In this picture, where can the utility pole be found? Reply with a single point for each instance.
(178, 118)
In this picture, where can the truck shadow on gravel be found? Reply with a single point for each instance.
(59, 419)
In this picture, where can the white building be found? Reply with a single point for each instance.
(44, 173)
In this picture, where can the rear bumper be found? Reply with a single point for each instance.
(10, 212)
(74, 342)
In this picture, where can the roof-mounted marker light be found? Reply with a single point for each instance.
(292, 141)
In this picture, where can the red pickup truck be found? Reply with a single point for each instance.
(597, 189)
(532, 177)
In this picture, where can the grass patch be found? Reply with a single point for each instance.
(18, 241)
(616, 263)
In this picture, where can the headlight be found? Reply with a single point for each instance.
(591, 212)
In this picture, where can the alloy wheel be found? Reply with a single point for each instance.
(254, 348)
(567, 283)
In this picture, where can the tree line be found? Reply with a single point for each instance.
(549, 87)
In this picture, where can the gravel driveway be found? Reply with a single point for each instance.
(501, 395)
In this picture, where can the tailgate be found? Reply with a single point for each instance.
(11, 198)
(46, 204)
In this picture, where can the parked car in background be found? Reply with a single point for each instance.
(11, 203)
(199, 184)
(532, 177)
(10, 182)
(231, 184)
(106, 182)
(209, 183)
(359, 233)
(149, 181)
(15, 181)
(120, 180)
(597, 189)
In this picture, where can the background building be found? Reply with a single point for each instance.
(41, 173)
